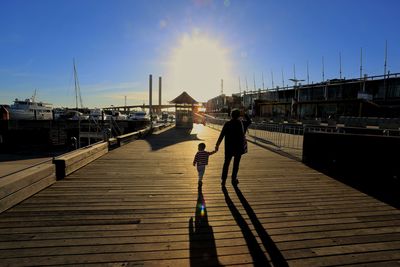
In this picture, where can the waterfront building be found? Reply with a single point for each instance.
(374, 96)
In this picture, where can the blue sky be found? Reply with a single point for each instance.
(191, 44)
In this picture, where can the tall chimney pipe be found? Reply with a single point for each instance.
(159, 92)
(150, 94)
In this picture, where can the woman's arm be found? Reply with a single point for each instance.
(247, 122)
(221, 136)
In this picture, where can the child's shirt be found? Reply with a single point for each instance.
(201, 158)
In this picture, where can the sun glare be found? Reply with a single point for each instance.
(197, 66)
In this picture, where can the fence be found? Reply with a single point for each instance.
(281, 137)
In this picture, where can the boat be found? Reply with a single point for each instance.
(97, 114)
(139, 115)
(74, 115)
(115, 115)
(29, 109)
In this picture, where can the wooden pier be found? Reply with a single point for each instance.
(139, 205)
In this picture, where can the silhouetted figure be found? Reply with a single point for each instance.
(234, 134)
(201, 160)
(203, 251)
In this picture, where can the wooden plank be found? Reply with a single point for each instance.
(16, 181)
(137, 205)
(22, 194)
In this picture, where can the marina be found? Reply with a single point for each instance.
(200, 133)
(130, 207)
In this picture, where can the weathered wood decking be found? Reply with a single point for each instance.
(139, 205)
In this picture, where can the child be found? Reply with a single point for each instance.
(201, 159)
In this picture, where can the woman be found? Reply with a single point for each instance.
(234, 133)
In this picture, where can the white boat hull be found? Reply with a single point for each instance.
(18, 114)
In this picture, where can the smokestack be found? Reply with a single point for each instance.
(150, 93)
(159, 92)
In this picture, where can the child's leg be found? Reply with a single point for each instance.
(201, 170)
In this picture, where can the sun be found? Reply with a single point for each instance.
(197, 65)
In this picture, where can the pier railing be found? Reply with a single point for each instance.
(281, 137)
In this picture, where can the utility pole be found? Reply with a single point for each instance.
(308, 75)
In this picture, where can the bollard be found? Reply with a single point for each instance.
(74, 143)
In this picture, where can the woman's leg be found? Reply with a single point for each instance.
(225, 168)
(236, 161)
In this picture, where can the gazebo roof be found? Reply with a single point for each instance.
(184, 98)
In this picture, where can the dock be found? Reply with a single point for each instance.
(140, 205)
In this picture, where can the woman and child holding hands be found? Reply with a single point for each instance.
(234, 132)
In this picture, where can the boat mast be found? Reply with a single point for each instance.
(262, 76)
(77, 88)
(34, 96)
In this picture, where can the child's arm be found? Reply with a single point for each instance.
(212, 152)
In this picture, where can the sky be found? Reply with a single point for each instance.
(193, 45)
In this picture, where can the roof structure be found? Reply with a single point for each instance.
(184, 98)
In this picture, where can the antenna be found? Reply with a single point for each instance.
(384, 72)
(125, 101)
(222, 86)
(262, 76)
(340, 65)
(283, 80)
(385, 65)
(247, 87)
(294, 71)
(272, 79)
(240, 87)
(308, 76)
(361, 59)
(323, 69)
(254, 79)
(295, 80)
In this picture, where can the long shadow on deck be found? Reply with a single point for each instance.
(171, 137)
(203, 251)
(272, 250)
(257, 254)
